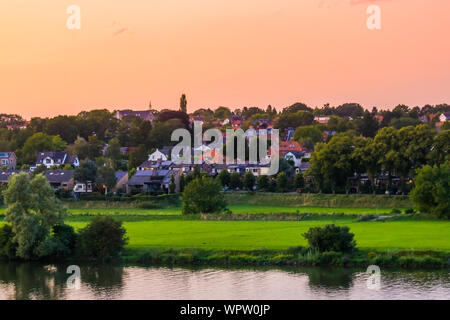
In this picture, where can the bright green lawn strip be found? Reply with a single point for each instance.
(276, 235)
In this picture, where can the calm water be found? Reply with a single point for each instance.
(36, 281)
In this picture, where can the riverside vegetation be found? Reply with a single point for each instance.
(256, 235)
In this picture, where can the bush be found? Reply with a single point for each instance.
(103, 238)
(330, 238)
(7, 244)
(409, 211)
(396, 211)
(202, 195)
(431, 193)
(65, 240)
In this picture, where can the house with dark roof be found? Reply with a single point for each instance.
(144, 115)
(5, 175)
(60, 179)
(121, 181)
(56, 158)
(153, 181)
(8, 160)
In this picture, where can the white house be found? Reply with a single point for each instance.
(157, 155)
(57, 158)
(444, 117)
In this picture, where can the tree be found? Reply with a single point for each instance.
(202, 195)
(332, 162)
(330, 238)
(113, 150)
(106, 177)
(441, 148)
(263, 182)
(235, 181)
(282, 182)
(249, 181)
(308, 136)
(299, 181)
(182, 182)
(224, 177)
(431, 193)
(103, 238)
(40, 142)
(7, 244)
(137, 156)
(368, 125)
(86, 171)
(222, 113)
(172, 185)
(183, 103)
(32, 211)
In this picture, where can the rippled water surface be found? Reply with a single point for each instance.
(35, 281)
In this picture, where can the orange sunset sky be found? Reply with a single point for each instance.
(221, 52)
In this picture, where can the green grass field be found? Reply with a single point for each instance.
(275, 235)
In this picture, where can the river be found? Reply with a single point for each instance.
(38, 281)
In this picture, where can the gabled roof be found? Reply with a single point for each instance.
(5, 175)
(120, 175)
(59, 176)
(6, 154)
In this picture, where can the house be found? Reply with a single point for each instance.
(289, 134)
(144, 115)
(257, 169)
(162, 155)
(294, 156)
(121, 181)
(150, 165)
(60, 179)
(58, 158)
(8, 160)
(5, 175)
(289, 146)
(153, 181)
(127, 150)
(444, 117)
(323, 120)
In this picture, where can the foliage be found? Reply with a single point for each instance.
(299, 180)
(106, 176)
(282, 182)
(431, 193)
(103, 238)
(203, 195)
(235, 181)
(308, 136)
(172, 185)
(32, 211)
(330, 238)
(263, 182)
(224, 177)
(64, 240)
(7, 244)
(248, 181)
(86, 171)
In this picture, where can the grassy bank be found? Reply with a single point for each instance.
(407, 241)
(296, 256)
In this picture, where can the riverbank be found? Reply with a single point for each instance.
(292, 257)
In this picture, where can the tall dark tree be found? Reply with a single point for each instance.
(183, 103)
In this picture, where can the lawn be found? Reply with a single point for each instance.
(248, 235)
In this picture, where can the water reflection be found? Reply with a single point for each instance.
(37, 281)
